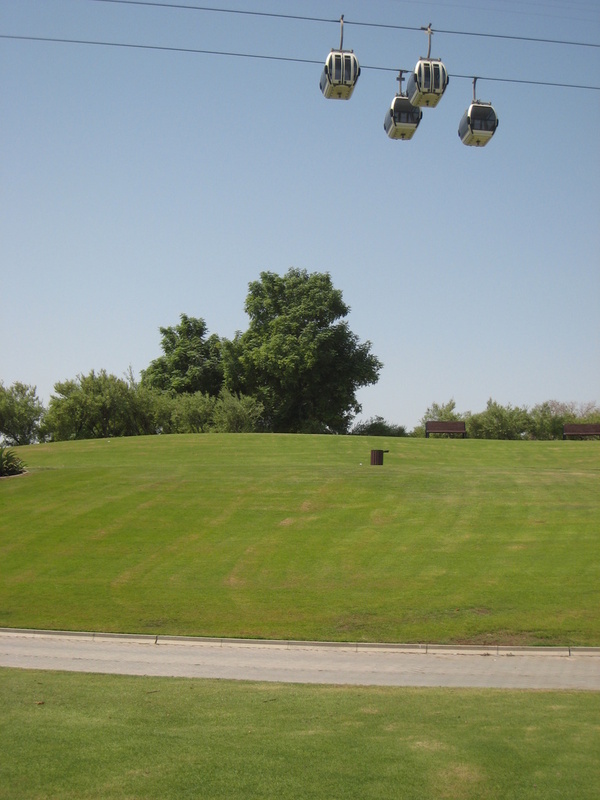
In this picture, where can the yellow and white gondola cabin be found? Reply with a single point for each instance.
(428, 82)
(402, 119)
(340, 74)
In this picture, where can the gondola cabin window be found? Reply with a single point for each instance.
(483, 119)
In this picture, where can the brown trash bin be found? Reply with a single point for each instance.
(377, 457)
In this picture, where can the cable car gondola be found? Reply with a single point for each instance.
(402, 118)
(340, 73)
(479, 122)
(428, 82)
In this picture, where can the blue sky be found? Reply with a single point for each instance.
(140, 184)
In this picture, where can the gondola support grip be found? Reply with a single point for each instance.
(399, 79)
(429, 31)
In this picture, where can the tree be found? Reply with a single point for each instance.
(95, 406)
(191, 362)
(546, 420)
(192, 413)
(236, 413)
(378, 426)
(446, 412)
(299, 358)
(21, 412)
(499, 422)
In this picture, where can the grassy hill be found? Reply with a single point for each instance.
(298, 537)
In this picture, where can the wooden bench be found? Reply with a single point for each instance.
(432, 426)
(581, 429)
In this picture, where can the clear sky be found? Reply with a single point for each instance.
(139, 184)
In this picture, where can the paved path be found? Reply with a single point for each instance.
(377, 665)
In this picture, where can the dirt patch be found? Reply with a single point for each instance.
(430, 745)
(459, 781)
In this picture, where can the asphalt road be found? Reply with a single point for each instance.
(294, 662)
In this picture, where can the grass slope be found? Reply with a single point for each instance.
(290, 537)
(67, 736)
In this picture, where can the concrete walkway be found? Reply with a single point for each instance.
(301, 662)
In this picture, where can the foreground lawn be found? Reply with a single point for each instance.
(71, 736)
(290, 537)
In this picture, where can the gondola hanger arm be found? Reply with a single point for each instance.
(429, 32)
(399, 79)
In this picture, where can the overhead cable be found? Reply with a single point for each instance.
(272, 58)
(388, 26)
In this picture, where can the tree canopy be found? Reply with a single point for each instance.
(378, 426)
(191, 362)
(299, 357)
(94, 406)
(99, 405)
(20, 413)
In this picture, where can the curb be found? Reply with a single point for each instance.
(424, 648)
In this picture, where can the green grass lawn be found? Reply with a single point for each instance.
(283, 536)
(69, 736)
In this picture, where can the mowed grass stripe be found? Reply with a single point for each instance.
(97, 737)
(282, 536)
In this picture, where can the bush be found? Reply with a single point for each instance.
(547, 419)
(236, 413)
(499, 422)
(446, 412)
(98, 406)
(10, 463)
(377, 426)
(192, 413)
(21, 412)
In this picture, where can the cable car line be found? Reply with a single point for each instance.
(528, 82)
(161, 47)
(510, 37)
(383, 25)
(517, 38)
(218, 10)
(290, 59)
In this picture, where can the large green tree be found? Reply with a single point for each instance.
(191, 361)
(299, 357)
